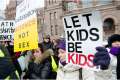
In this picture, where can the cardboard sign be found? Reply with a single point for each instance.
(6, 30)
(26, 35)
(83, 33)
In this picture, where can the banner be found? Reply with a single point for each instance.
(6, 30)
(26, 35)
(84, 32)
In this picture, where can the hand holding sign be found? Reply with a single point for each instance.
(102, 58)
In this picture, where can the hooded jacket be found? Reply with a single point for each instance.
(41, 67)
(68, 72)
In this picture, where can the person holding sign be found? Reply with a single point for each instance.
(108, 59)
(66, 71)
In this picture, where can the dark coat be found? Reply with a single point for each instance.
(46, 46)
(41, 69)
(6, 66)
(118, 67)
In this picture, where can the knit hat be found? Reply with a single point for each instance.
(113, 38)
(62, 44)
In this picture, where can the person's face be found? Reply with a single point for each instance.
(116, 44)
(62, 54)
(37, 53)
(46, 40)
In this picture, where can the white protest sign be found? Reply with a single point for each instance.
(6, 30)
(24, 8)
(83, 33)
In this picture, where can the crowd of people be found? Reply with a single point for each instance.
(48, 61)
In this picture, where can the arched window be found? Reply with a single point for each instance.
(109, 25)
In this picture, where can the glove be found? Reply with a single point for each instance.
(101, 58)
(115, 51)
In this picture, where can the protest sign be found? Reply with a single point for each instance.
(7, 28)
(83, 33)
(26, 35)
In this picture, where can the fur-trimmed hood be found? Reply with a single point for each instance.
(44, 56)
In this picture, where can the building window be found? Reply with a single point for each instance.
(87, 3)
(55, 15)
(104, 2)
(50, 17)
(40, 21)
(43, 20)
(109, 25)
(52, 1)
(56, 30)
(49, 2)
(51, 30)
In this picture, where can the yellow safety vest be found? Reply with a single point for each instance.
(16, 72)
(54, 65)
(1, 54)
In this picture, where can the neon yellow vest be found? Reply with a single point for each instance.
(1, 54)
(54, 65)
(16, 72)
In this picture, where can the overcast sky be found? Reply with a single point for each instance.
(4, 2)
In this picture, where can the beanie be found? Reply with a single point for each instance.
(61, 44)
(113, 38)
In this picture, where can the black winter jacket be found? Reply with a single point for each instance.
(6, 66)
(39, 71)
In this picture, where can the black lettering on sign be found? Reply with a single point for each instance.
(23, 35)
(74, 47)
(7, 30)
(69, 35)
(66, 23)
(75, 21)
(70, 47)
(94, 32)
(5, 37)
(83, 37)
(3, 24)
(11, 24)
(24, 44)
(87, 17)
(78, 47)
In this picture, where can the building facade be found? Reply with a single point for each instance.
(53, 18)
(50, 17)
(55, 10)
(10, 11)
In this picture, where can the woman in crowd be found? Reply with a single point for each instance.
(40, 65)
(66, 71)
